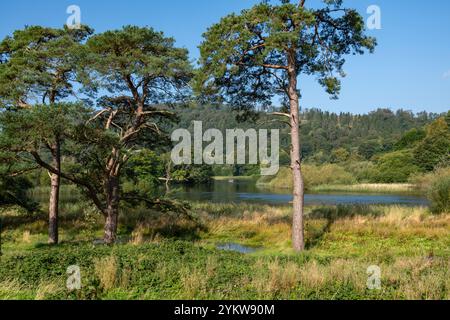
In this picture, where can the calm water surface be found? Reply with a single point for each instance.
(247, 191)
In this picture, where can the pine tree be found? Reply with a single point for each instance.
(37, 66)
(247, 59)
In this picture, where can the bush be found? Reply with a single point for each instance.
(395, 167)
(439, 195)
(313, 176)
(435, 148)
(361, 170)
(326, 174)
(436, 185)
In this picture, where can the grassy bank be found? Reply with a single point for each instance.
(169, 257)
(367, 188)
(234, 178)
(329, 178)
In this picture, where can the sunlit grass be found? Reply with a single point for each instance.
(236, 178)
(367, 187)
(343, 232)
(409, 244)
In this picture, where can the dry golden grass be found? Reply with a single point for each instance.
(397, 221)
(154, 229)
(26, 236)
(278, 280)
(48, 289)
(263, 223)
(195, 284)
(271, 226)
(106, 269)
(282, 278)
(369, 187)
(419, 278)
(9, 289)
(339, 272)
(404, 278)
(137, 236)
(408, 243)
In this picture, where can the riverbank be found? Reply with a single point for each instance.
(368, 188)
(175, 257)
(235, 178)
(331, 178)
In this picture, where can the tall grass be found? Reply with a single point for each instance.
(106, 269)
(367, 187)
(313, 175)
(345, 230)
(436, 185)
(409, 244)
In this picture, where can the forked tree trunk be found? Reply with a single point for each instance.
(112, 209)
(298, 240)
(53, 209)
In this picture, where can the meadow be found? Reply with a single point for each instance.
(176, 257)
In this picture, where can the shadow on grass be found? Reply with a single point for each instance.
(331, 215)
(16, 222)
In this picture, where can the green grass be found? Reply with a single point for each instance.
(235, 178)
(331, 178)
(367, 188)
(168, 257)
(313, 176)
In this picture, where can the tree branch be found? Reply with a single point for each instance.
(91, 190)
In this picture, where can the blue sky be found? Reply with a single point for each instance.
(410, 68)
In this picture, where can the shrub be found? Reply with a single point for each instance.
(436, 185)
(313, 175)
(326, 174)
(435, 148)
(395, 167)
(361, 170)
(439, 195)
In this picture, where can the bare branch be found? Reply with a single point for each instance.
(19, 173)
(91, 190)
(98, 115)
(280, 114)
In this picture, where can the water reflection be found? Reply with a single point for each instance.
(236, 248)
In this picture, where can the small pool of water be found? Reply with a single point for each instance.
(236, 248)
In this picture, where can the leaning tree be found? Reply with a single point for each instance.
(38, 67)
(138, 72)
(250, 58)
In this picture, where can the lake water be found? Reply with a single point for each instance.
(247, 191)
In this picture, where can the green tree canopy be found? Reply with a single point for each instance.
(37, 65)
(435, 148)
(139, 73)
(395, 167)
(245, 57)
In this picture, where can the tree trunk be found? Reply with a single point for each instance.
(112, 209)
(298, 240)
(53, 208)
